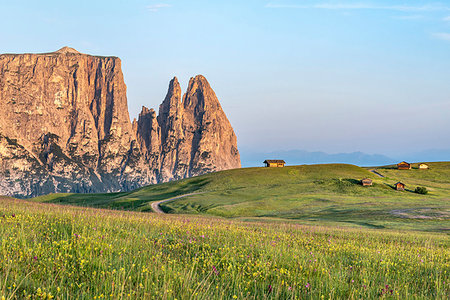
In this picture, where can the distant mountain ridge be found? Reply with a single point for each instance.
(298, 157)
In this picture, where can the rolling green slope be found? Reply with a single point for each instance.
(315, 194)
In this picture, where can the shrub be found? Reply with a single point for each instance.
(421, 190)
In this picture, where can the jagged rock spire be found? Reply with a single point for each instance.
(196, 136)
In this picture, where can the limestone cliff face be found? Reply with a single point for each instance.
(65, 127)
(68, 113)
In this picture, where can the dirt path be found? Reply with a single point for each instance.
(158, 210)
(376, 173)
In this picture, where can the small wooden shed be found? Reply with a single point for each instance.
(404, 166)
(423, 166)
(399, 186)
(274, 163)
(366, 182)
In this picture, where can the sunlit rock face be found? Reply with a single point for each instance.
(191, 134)
(65, 127)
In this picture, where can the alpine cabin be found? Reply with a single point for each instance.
(399, 186)
(274, 163)
(404, 166)
(423, 166)
(366, 182)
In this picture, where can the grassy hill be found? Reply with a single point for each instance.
(328, 194)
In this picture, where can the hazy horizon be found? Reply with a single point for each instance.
(331, 76)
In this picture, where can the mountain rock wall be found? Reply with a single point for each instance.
(65, 127)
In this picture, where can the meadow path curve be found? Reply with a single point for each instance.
(158, 210)
(376, 173)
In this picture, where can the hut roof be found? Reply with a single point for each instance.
(274, 161)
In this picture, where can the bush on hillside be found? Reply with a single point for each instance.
(421, 190)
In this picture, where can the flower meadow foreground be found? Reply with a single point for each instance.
(60, 252)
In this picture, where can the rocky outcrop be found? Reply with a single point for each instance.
(65, 127)
(190, 136)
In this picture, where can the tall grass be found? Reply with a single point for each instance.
(62, 252)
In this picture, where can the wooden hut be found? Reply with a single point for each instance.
(399, 186)
(274, 163)
(404, 166)
(423, 166)
(366, 182)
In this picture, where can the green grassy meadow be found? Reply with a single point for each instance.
(50, 251)
(328, 194)
(300, 232)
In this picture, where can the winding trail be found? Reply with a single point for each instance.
(158, 210)
(376, 173)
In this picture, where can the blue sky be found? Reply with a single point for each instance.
(335, 76)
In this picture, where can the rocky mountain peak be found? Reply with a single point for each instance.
(67, 50)
(197, 84)
(198, 80)
(173, 98)
(200, 97)
(146, 111)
